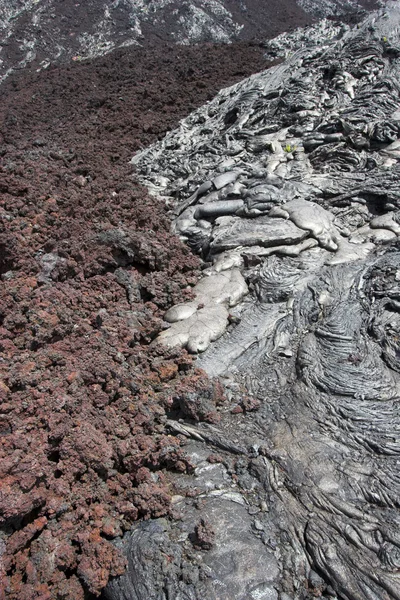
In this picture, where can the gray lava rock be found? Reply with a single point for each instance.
(163, 563)
(317, 339)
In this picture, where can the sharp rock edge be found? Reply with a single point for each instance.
(288, 185)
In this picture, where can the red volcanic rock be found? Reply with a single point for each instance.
(100, 560)
(250, 404)
(215, 458)
(199, 397)
(88, 267)
(204, 535)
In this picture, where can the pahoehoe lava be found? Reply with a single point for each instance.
(290, 179)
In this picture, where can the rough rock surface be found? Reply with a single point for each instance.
(88, 266)
(336, 8)
(42, 32)
(312, 143)
(47, 31)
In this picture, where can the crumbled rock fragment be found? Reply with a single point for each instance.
(204, 535)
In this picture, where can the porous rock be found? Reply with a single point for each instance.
(88, 267)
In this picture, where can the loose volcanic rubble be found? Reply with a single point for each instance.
(290, 179)
(88, 267)
(39, 33)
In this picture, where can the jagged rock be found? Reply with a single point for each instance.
(87, 271)
(43, 32)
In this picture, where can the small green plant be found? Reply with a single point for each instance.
(289, 148)
(384, 39)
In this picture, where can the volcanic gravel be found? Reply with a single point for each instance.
(88, 266)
